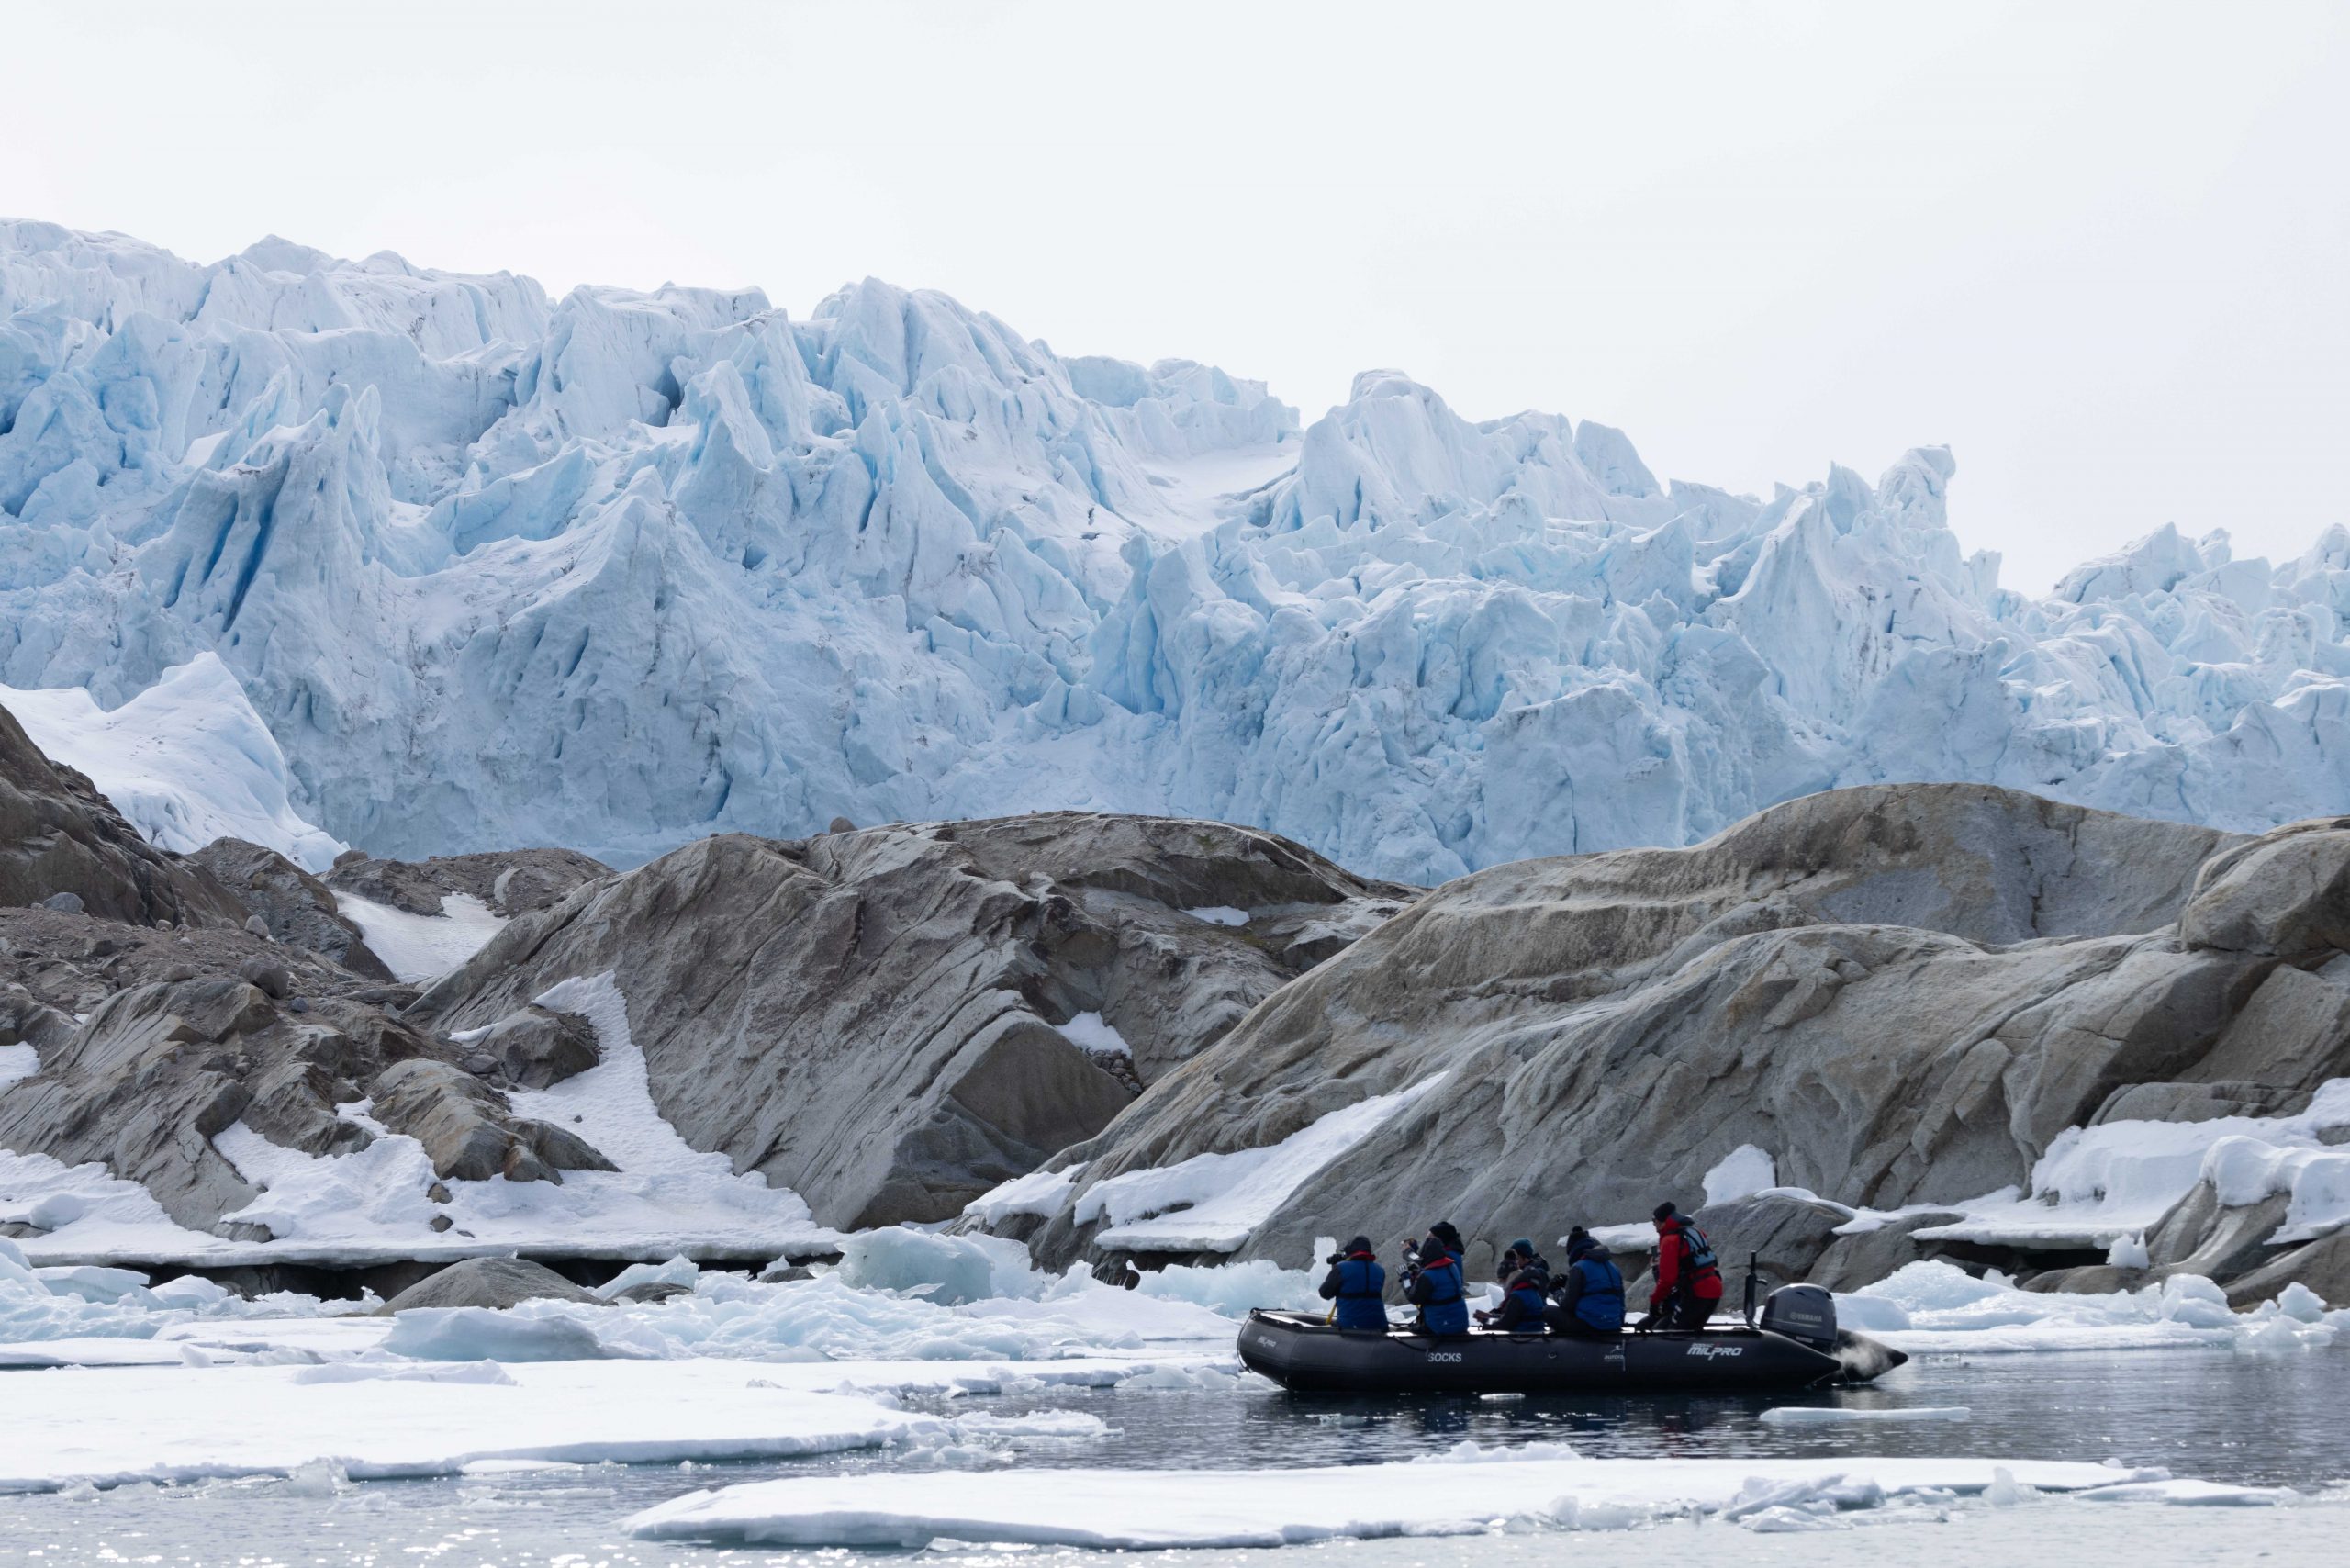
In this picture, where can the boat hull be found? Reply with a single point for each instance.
(1303, 1353)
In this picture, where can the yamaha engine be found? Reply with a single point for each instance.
(1804, 1314)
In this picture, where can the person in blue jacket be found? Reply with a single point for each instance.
(1358, 1286)
(1437, 1285)
(1589, 1292)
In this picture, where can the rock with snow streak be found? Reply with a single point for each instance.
(873, 1019)
(294, 907)
(60, 840)
(1903, 993)
(506, 882)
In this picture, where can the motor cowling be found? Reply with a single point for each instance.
(1804, 1314)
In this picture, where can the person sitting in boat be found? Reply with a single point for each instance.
(1590, 1293)
(1358, 1286)
(1434, 1284)
(1689, 1284)
(1525, 1280)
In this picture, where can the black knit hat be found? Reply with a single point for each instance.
(1359, 1244)
(1445, 1231)
(1665, 1211)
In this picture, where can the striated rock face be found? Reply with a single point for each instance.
(509, 881)
(1903, 993)
(294, 907)
(62, 842)
(874, 1018)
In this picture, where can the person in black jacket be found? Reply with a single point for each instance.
(1589, 1293)
(1525, 1280)
(1358, 1286)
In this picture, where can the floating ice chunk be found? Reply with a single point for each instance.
(423, 947)
(2192, 1495)
(1219, 915)
(1042, 1192)
(951, 1271)
(1941, 1308)
(1831, 1415)
(2128, 1252)
(1088, 1032)
(488, 1374)
(1743, 1172)
(1780, 1521)
(1168, 1508)
(1223, 1197)
(480, 1334)
(676, 1271)
(92, 1282)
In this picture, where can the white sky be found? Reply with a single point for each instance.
(2103, 252)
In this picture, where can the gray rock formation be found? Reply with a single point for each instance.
(159, 1069)
(294, 907)
(468, 1129)
(872, 1018)
(61, 841)
(510, 882)
(1902, 993)
(535, 1048)
(492, 1282)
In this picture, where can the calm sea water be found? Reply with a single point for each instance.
(2220, 1416)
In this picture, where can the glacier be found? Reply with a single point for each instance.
(622, 569)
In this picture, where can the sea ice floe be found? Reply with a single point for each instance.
(1168, 1508)
(1938, 1307)
(139, 1423)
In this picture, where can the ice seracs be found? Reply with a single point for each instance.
(630, 567)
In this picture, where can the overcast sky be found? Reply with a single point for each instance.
(2103, 252)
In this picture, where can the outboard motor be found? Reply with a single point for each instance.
(1804, 1314)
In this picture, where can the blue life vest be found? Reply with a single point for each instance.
(1601, 1305)
(1361, 1283)
(1447, 1310)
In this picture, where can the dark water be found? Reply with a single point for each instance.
(2216, 1416)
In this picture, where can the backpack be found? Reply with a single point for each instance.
(1701, 1251)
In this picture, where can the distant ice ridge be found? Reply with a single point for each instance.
(187, 761)
(627, 569)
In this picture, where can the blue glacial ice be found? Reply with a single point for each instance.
(625, 568)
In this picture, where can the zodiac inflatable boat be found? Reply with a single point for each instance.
(1794, 1344)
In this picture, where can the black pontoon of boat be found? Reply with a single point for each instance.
(1794, 1345)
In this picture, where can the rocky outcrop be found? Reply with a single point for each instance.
(468, 1129)
(492, 1282)
(509, 881)
(62, 843)
(161, 1070)
(1903, 993)
(876, 1019)
(294, 907)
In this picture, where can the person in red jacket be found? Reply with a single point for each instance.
(1688, 1285)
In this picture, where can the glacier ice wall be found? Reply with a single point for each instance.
(620, 570)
